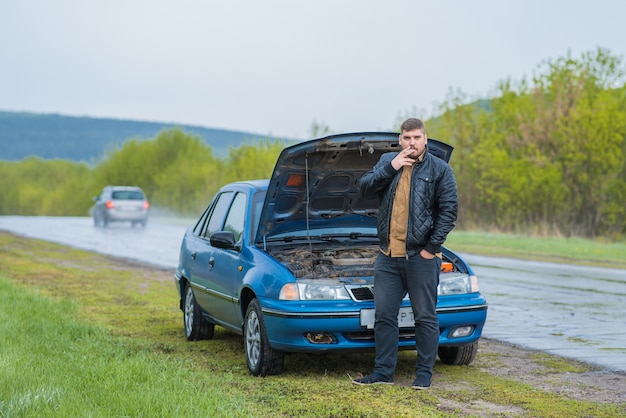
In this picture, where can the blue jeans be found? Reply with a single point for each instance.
(392, 278)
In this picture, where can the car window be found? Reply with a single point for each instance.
(257, 206)
(236, 216)
(127, 195)
(198, 228)
(216, 219)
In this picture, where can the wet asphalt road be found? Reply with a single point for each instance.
(572, 311)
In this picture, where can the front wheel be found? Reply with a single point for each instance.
(462, 355)
(262, 359)
(196, 326)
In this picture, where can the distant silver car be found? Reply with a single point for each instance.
(120, 204)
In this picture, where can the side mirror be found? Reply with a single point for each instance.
(223, 239)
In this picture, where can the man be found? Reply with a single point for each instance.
(418, 208)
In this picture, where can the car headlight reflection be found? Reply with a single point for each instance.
(313, 291)
(457, 284)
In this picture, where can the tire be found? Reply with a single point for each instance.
(96, 223)
(462, 355)
(262, 359)
(196, 326)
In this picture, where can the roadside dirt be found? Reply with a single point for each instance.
(522, 364)
(592, 384)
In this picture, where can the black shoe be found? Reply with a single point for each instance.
(420, 385)
(373, 379)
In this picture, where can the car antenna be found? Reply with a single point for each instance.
(306, 174)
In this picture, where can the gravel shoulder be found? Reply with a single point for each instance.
(529, 366)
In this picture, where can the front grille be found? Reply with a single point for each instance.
(362, 293)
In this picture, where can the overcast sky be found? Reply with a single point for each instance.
(272, 67)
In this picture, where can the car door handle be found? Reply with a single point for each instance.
(211, 261)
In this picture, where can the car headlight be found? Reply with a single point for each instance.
(457, 284)
(313, 291)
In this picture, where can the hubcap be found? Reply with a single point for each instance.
(253, 339)
(189, 305)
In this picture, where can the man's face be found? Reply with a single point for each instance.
(415, 140)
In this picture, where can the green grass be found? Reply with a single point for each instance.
(84, 335)
(55, 364)
(560, 250)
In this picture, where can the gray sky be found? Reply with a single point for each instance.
(272, 67)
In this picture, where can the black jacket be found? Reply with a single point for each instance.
(433, 203)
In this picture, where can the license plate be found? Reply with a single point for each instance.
(405, 318)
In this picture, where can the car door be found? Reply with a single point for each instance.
(215, 271)
(211, 295)
(224, 270)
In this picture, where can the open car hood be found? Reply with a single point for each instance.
(314, 183)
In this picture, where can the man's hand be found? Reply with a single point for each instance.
(426, 255)
(405, 158)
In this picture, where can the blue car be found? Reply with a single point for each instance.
(288, 262)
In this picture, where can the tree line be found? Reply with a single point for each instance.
(178, 172)
(545, 155)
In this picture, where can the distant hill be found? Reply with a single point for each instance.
(51, 136)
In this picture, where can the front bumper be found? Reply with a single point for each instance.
(296, 327)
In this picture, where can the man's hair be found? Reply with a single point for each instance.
(411, 124)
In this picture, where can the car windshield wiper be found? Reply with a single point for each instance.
(321, 237)
(351, 235)
(291, 238)
(318, 238)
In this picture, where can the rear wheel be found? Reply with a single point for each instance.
(262, 359)
(462, 355)
(196, 326)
